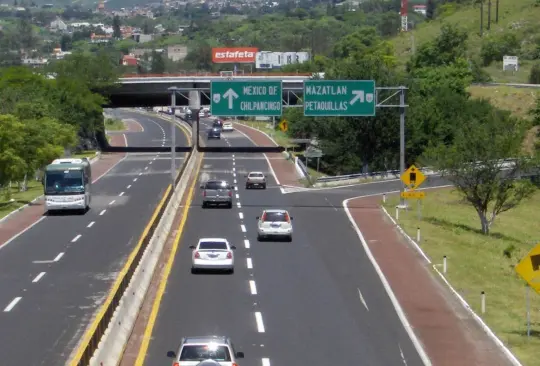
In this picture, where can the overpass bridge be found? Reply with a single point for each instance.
(151, 90)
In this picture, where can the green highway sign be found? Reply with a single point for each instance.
(246, 98)
(339, 98)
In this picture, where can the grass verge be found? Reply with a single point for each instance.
(477, 263)
(19, 199)
(519, 101)
(279, 136)
(112, 124)
(85, 154)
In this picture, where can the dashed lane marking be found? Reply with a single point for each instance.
(12, 304)
(38, 277)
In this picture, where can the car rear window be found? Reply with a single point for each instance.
(256, 175)
(275, 216)
(217, 185)
(205, 352)
(212, 245)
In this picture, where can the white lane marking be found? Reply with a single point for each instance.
(246, 243)
(12, 304)
(402, 355)
(140, 174)
(233, 163)
(235, 188)
(121, 194)
(249, 263)
(234, 175)
(259, 321)
(253, 287)
(362, 299)
(238, 204)
(58, 257)
(399, 310)
(38, 277)
(235, 181)
(145, 168)
(234, 169)
(265, 362)
(237, 196)
(113, 201)
(233, 156)
(128, 187)
(243, 228)
(241, 215)
(134, 179)
(150, 163)
(102, 213)
(91, 224)
(76, 238)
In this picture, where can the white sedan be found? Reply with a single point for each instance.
(212, 254)
(274, 223)
(227, 127)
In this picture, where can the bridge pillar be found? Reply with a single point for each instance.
(195, 99)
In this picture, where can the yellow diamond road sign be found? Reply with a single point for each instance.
(283, 125)
(413, 194)
(413, 177)
(529, 268)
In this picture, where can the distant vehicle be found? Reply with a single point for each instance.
(227, 127)
(202, 114)
(67, 185)
(255, 179)
(217, 192)
(195, 350)
(214, 133)
(274, 223)
(212, 254)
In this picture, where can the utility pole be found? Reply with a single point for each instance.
(481, 17)
(173, 91)
(497, 12)
(489, 15)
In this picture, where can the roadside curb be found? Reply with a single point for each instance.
(14, 212)
(466, 305)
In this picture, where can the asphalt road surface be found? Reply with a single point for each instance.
(314, 301)
(54, 276)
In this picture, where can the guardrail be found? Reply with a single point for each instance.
(187, 74)
(93, 335)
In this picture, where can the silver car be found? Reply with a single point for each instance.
(274, 223)
(212, 254)
(255, 179)
(195, 350)
(217, 192)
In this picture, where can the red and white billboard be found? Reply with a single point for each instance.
(226, 55)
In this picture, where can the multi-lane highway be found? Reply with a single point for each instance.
(314, 301)
(54, 276)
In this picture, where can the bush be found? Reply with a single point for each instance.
(493, 49)
(534, 76)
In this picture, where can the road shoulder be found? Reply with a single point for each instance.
(447, 331)
(283, 169)
(27, 216)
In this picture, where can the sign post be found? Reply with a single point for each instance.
(246, 98)
(339, 98)
(413, 178)
(529, 269)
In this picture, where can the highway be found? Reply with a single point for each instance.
(54, 276)
(314, 301)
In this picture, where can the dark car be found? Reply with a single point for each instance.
(214, 133)
(218, 123)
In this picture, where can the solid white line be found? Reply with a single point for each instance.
(362, 299)
(253, 287)
(12, 304)
(246, 243)
(238, 204)
(401, 314)
(76, 238)
(134, 179)
(243, 228)
(259, 320)
(113, 201)
(241, 215)
(128, 187)
(102, 212)
(58, 257)
(121, 194)
(265, 362)
(38, 277)
(249, 263)
(237, 196)
(91, 224)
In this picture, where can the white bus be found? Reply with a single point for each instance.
(67, 184)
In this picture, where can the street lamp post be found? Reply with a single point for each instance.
(173, 91)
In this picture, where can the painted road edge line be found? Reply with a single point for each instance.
(166, 272)
(401, 314)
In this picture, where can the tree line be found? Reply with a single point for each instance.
(47, 111)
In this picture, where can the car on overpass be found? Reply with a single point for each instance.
(192, 351)
(212, 254)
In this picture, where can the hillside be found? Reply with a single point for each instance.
(516, 17)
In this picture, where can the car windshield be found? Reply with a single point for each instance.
(213, 245)
(68, 181)
(217, 185)
(256, 175)
(205, 352)
(275, 216)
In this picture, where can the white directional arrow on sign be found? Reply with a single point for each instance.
(231, 95)
(358, 95)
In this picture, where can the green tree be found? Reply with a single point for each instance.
(158, 63)
(117, 33)
(12, 136)
(430, 9)
(473, 162)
